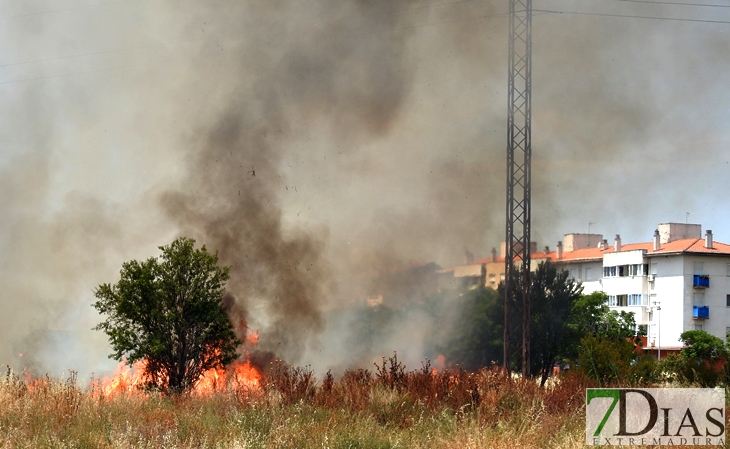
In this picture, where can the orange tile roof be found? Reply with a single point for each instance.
(696, 245)
(597, 253)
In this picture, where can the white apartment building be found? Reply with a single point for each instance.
(679, 281)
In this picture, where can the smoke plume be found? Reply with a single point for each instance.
(320, 147)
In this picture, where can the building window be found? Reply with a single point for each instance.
(653, 269)
(727, 332)
(638, 269)
(728, 269)
(727, 300)
(609, 272)
(698, 327)
(588, 274)
(612, 300)
(636, 299)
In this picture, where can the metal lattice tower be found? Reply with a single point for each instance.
(519, 154)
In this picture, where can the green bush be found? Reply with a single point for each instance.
(612, 361)
(696, 362)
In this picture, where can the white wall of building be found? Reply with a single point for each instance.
(589, 273)
(715, 296)
(672, 289)
(669, 289)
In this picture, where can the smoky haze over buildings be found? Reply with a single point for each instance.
(319, 146)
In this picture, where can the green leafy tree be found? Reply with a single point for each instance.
(592, 316)
(514, 320)
(476, 337)
(606, 360)
(697, 361)
(588, 313)
(701, 347)
(167, 311)
(605, 351)
(553, 299)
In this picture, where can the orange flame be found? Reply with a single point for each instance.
(125, 380)
(237, 376)
(253, 338)
(440, 363)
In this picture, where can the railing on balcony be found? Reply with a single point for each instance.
(700, 312)
(701, 281)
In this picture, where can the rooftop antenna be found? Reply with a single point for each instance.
(686, 217)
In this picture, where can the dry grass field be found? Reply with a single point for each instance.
(383, 408)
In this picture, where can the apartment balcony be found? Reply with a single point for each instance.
(701, 281)
(700, 312)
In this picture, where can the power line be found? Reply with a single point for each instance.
(629, 16)
(536, 12)
(659, 2)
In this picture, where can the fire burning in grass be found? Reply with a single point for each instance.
(241, 375)
(452, 408)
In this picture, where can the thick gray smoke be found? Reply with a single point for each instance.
(319, 146)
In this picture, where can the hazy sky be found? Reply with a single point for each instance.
(331, 139)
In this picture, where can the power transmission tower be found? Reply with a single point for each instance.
(519, 154)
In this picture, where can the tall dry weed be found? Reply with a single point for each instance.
(387, 407)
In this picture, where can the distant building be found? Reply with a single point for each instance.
(406, 285)
(488, 272)
(679, 281)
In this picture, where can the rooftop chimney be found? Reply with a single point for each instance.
(656, 240)
(547, 249)
(617, 243)
(559, 251)
(468, 258)
(670, 232)
(708, 239)
(603, 245)
(494, 254)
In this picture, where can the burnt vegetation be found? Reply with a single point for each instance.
(292, 407)
(364, 407)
